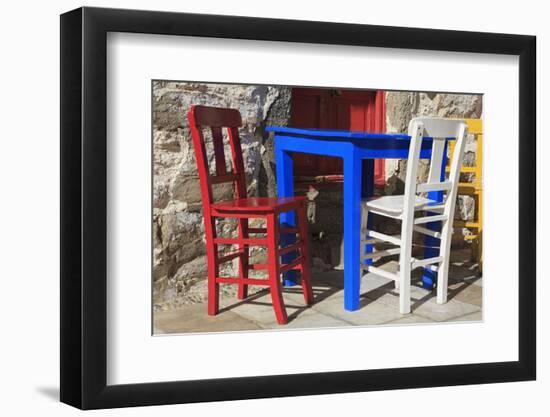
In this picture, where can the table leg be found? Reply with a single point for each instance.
(352, 225)
(431, 250)
(284, 171)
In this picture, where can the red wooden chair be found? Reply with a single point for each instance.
(243, 208)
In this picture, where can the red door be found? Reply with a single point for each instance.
(336, 109)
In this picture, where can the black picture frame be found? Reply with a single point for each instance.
(84, 207)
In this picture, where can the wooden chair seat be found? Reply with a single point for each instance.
(259, 205)
(394, 204)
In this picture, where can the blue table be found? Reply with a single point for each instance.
(358, 151)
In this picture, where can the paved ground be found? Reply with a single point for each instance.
(379, 305)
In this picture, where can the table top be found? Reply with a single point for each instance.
(334, 134)
(331, 134)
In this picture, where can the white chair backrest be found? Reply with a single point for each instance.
(439, 130)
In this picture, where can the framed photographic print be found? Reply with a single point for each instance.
(256, 208)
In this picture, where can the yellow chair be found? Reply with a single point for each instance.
(474, 189)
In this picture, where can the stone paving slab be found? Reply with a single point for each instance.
(445, 312)
(467, 293)
(194, 318)
(390, 295)
(334, 279)
(373, 312)
(459, 272)
(478, 282)
(321, 293)
(373, 284)
(312, 319)
(476, 316)
(423, 303)
(259, 309)
(412, 319)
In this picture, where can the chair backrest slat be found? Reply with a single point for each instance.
(216, 119)
(238, 165)
(219, 154)
(439, 148)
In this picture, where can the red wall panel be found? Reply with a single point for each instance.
(336, 109)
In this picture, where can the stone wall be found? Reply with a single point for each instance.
(178, 231)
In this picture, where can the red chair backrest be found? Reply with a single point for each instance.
(216, 119)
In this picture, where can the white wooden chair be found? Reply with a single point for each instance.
(404, 207)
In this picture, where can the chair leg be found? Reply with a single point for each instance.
(443, 270)
(480, 251)
(243, 259)
(479, 210)
(306, 261)
(404, 283)
(213, 271)
(366, 225)
(273, 269)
